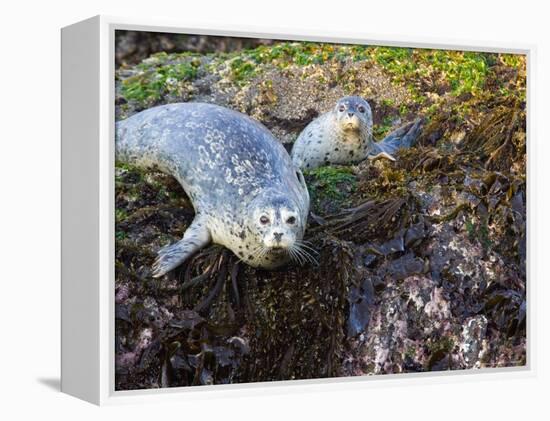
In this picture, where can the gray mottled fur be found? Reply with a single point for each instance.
(340, 136)
(233, 170)
(344, 136)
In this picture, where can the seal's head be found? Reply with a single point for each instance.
(353, 113)
(277, 225)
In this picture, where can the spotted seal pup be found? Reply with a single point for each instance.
(247, 194)
(344, 136)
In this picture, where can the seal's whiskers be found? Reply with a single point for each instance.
(303, 244)
(295, 256)
(304, 254)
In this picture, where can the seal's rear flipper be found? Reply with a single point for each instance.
(414, 130)
(169, 257)
(403, 137)
(381, 154)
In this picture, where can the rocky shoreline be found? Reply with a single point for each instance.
(422, 263)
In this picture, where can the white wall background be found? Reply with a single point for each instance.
(29, 206)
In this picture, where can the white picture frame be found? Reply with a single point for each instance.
(88, 213)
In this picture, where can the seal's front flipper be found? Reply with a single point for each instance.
(169, 257)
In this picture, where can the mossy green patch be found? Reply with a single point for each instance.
(120, 215)
(515, 61)
(330, 185)
(153, 82)
(380, 130)
(478, 230)
(242, 70)
(463, 71)
(121, 235)
(302, 54)
(246, 64)
(426, 74)
(397, 61)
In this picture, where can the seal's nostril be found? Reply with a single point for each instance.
(277, 236)
(350, 114)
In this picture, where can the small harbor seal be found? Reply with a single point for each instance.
(344, 136)
(247, 194)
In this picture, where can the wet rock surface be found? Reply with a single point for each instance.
(131, 47)
(422, 260)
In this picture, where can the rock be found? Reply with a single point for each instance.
(360, 301)
(473, 337)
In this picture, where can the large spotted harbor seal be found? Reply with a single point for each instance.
(344, 136)
(247, 194)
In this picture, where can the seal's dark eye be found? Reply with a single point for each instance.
(361, 109)
(341, 108)
(264, 219)
(291, 220)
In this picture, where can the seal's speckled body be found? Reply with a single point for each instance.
(340, 136)
(247, 194)
(344, 136)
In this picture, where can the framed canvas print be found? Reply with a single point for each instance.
(247, 208)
